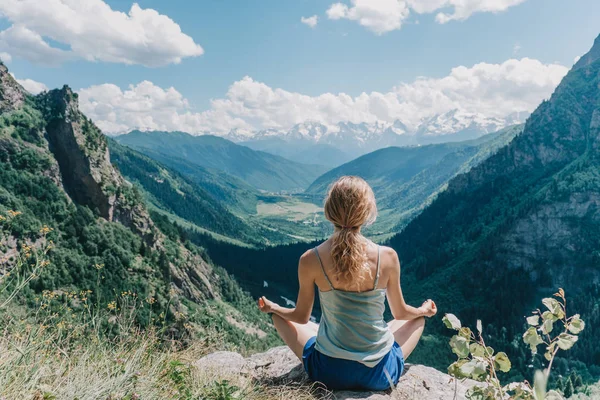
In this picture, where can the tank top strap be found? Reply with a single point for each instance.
(323, 268)
(378, 262)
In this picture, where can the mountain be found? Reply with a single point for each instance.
(262, 170)
(521, 224)
(188, 198)
(312, 141)
(457, 125)
(301, 151)
(58, 187)
(405, 179)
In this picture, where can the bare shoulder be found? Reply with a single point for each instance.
(389, 257)
(308, 261)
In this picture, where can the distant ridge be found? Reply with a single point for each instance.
(262, 170)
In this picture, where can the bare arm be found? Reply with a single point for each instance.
(306, 296)
(401, 310)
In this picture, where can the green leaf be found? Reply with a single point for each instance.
(489, 350)
(566, 341)
(534, 320)
(451, 322)
(479, 327)
(502, 362)
(540, 381)
(555, 307)
(547, 315)
(576, 325)
(532, 338)
(460, 346)
(551, 304)
(547, 326)
(474, 369)
(477, 350)
(465, 332)
(455, 369)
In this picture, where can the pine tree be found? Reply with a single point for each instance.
(568, 392)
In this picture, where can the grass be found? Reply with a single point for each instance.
(64, 345)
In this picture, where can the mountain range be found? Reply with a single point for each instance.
(406, 179)
(311, 141)
(262, 170)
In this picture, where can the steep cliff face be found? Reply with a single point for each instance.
(12, 95)
(81, 152)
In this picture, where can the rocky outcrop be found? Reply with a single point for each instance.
(81, 152)
(79, 163)
(12, 95)
(280, 367)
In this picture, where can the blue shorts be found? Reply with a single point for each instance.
(340, 374)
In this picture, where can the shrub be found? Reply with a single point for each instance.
(551, 328)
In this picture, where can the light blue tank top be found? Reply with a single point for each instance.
(352, 325)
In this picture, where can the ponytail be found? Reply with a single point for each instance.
(349, 205)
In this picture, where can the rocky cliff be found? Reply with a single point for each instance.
(279, 367)
(76, 157)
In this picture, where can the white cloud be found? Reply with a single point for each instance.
(5, 57)
(91, 30)
(310, 21)
(33, 87)
(463, 9)
(494, 90)
(381, 16)
(146, 106)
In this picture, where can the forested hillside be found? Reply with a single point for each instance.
(58, 190)
(261, 170)
(522, 223)
(406, 179)
(174, 194)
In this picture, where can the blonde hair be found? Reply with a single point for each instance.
(349, 205)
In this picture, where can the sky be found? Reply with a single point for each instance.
(209, 66)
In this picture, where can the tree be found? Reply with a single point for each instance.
(568, 392)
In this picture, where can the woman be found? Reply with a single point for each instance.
(353, 347)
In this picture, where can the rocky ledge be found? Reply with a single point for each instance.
(280, 367)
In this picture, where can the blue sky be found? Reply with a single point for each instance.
(266, 41)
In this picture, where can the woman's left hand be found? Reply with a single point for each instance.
(265, 305)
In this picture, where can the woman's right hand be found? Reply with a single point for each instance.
(265, 305)
(429, 308)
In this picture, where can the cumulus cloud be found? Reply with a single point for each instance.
(310, 21)
(463, 9)
(33, 87)
(381, 16)
(146, 106)
(494, 90)
(5, 57)
(91, 30)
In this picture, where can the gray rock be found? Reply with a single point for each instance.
(279, 366)
(227, 362)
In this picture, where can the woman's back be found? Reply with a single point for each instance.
(352, 325)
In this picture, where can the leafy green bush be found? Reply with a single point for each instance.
(477, 361)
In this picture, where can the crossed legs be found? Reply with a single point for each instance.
(293, 334)
(406, 333)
